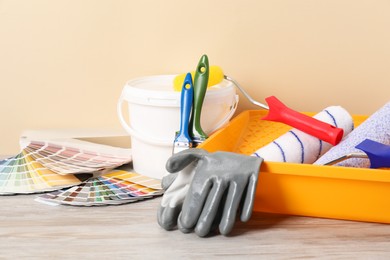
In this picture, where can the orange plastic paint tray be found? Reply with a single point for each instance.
(305, 189)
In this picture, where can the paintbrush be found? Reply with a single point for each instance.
(182, 139)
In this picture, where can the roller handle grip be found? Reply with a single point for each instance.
(280, 113)
(378, 153)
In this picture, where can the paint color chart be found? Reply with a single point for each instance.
(52, 165)
(77, 157)
(113, 188)
(21, 174)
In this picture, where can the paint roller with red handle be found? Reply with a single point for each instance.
(280, 113)
(277, 110)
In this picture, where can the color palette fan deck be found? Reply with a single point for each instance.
(113, 188)
(52, 165)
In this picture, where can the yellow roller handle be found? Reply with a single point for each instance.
(215, 77)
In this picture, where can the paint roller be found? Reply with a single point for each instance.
(296, 146)
(375, 128)
(377, 153)
(278, 112)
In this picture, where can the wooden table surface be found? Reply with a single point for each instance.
(32, 230)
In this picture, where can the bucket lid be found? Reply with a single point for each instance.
(158, 91)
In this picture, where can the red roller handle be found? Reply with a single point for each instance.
(278, 112)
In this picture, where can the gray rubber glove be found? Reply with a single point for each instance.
(176, 186)
(216, 192)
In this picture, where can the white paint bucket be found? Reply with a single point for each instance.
(154, 118)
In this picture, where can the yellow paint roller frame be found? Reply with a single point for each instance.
(215, 77)
(304, 189)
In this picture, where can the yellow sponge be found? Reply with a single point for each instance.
(215, 77)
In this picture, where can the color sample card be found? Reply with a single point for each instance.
(52, 165)
(113, 188)
(77, 157)
(21, 174)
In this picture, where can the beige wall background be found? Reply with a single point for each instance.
(64, 63)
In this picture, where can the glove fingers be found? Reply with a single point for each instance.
(247, 208)
(230, 209)
(193, 204)
(170, 208)
(174, 195)
(180, 160)
(167, 217)
(218, 217)
(180, 226)
(210, 209)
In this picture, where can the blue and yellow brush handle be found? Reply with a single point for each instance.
(186, 100)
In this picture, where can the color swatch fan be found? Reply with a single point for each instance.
(51, 165)
(114, 188)
(21, 174)
(71, 156)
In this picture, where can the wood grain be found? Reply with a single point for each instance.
(29, 229)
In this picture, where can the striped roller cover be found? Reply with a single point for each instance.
(296, 146)
(376, 128)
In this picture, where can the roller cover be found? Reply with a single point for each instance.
(376, 128)
(296, 146)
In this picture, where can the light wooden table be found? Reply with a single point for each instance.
(32, 230)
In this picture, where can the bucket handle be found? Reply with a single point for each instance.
(225, 120)
(134, 133)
